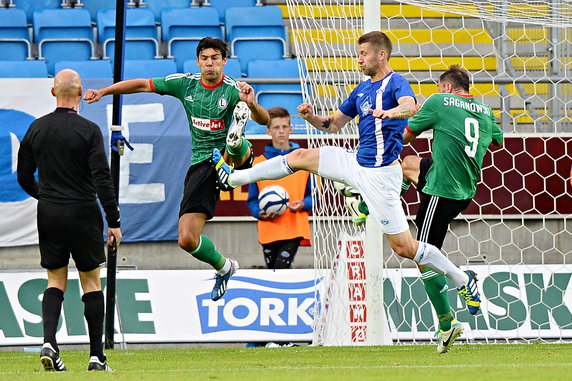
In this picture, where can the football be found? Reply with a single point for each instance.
(345, 190)
(273, 199)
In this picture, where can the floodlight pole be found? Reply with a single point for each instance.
(115, 165)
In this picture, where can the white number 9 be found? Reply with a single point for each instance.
(472, 135)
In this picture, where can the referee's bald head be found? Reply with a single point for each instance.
(67, 83)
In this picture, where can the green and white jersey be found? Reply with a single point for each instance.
(463, 129)
(209, 109)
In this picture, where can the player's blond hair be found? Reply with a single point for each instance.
(379, 40)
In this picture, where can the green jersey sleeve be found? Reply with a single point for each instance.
(172, 84)
(497, 132)
(426, 117)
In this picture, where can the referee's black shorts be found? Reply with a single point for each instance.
(435, 213)
(75, 229)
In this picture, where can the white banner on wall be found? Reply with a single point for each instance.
(170, 306)
(531, 302)
(22, 101)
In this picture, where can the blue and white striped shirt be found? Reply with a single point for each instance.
(380, 140)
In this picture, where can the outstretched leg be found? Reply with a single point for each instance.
(272, 169)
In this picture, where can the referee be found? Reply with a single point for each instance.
(69, 154)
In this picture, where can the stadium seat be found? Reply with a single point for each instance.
(148, 68)
(222, 5)
(24, 69)
(158, 6)
(270, 95)
(87, 69)
(95, 5)
(63, 34)
(184, 28)
(254, 33)
(141, 38)
(14, 35)
(29, 6)
(232, 67)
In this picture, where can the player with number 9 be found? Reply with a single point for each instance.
(463, 128)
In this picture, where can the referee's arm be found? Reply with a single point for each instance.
(97, 161)
(26, 169)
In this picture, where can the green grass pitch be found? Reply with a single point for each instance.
(520, 362)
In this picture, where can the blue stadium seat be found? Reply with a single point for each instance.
(63, 34)
(270, 95)
(256, 32)
(184, 28)
(87, 69)
(155, 6)
(232, 67)
(158, 6)
(222, 5)
(29, 6)
(24, 69)
(148, 68)
(95, 5)
(14, 35)
(141, 38)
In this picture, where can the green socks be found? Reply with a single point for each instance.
(240, 151)
(362, 207)
(206, 252)
(436, 288)
(405, 184)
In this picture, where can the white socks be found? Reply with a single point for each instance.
(431, 257)
(271, 169)
(225, 268)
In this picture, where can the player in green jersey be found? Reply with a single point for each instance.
(209, 98)
(463, 128)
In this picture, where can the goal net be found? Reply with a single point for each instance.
(517, 233)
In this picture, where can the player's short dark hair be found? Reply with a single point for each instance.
(277, 112)
(214, 43)
(379, 39)
(456, 76)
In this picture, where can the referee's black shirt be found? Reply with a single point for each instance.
(72, 165)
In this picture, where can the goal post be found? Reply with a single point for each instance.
(516, 233)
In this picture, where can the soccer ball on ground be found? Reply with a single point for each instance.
(273, 199)
(345, 190)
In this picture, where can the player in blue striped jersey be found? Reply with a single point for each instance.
(380, 138)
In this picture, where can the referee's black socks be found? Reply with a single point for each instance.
(94, 314)
(51, 310)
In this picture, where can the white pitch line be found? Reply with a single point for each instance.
(452, 366)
